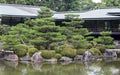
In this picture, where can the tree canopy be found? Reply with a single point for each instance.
(66, 5)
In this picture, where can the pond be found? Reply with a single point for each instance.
(69, 68)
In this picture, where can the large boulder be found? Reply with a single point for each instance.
(1, 55)
(65, 59)
(11, 57)
(37, 57)
(87, 56)
(110, 53)
(78, 58)
(117, 46)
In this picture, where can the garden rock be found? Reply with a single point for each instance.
(110, 53)
(118, 46)
(65, 59)
(25, 58)
(87, 56)
(78, 58)
(11, 57)
(37, 57)
(53, 60)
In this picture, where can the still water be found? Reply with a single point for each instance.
(73, 68)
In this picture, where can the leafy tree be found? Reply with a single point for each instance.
(21, 32)
(2, 1)
(45, 13)
(47, 33)
(105, 39)
(4, 29)
(75, 21)
(57, 5)
(86, 5)
(111, 3)
(9, 42)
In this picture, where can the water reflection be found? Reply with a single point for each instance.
(114, 70)
(72, 68)
(66, 63)
(24, 71)
(110, 59)
(2, 67)
(11, 64)
(37, 66)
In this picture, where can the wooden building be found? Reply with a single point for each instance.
(13, 14)
(107, 19)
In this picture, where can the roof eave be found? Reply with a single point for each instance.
(4, 15)
(103, 18)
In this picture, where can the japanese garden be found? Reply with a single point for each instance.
(45, 45)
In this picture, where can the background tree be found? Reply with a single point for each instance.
(57, 5)
(111, 3)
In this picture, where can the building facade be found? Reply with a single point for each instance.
(107, 19)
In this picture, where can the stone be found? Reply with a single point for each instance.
(117, 46)
(53, 60)
(78, 58)
(25, 58)
(114, 54)
(37, 57)
(1, 55)
(110, 53)
(87, 56)
(11, 57)
(65, 59)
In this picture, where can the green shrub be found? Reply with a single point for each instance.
(41, 47)
(58, 56)
(31, 51)
(89, 38)
(104, 40)
(21, 50)
(80, 51)
(59, 49)
(68, 51)
(105, 33)
(53, 46)
(110, 46)
(81, 43)
(107, 40)
(48, 54)
(101, 47)
(95, 50)
(90, 46)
